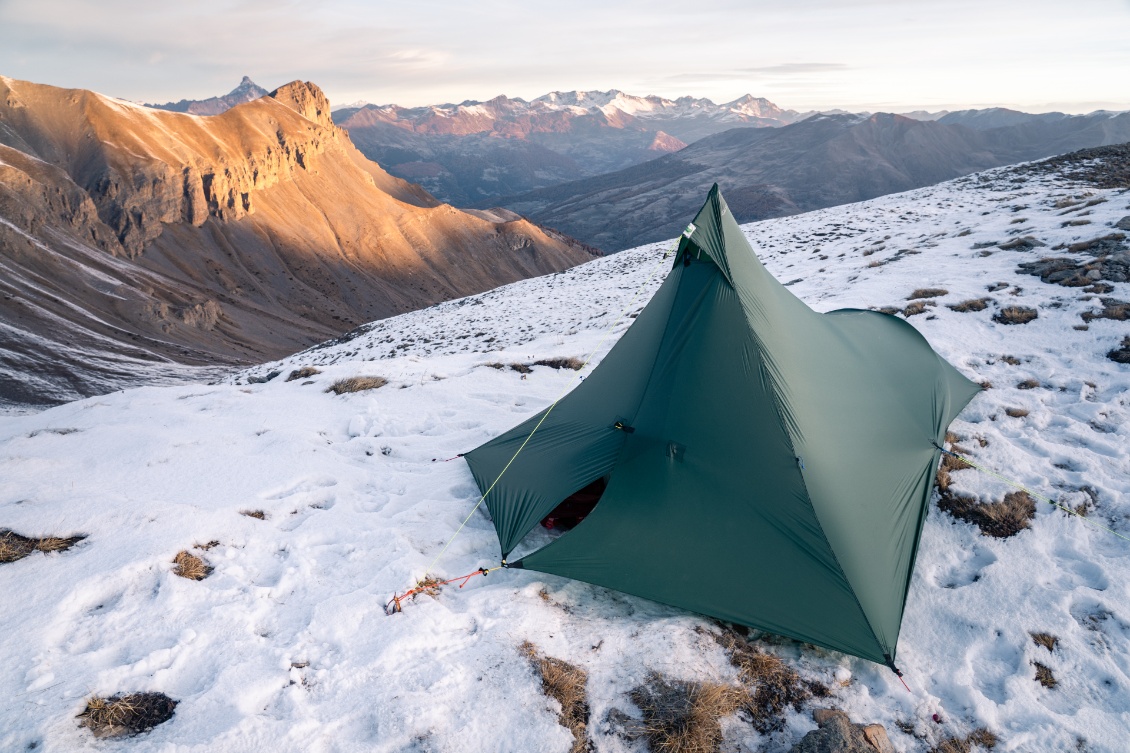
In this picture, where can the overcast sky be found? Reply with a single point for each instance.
(805, 54)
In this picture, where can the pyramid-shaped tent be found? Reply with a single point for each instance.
(766, 464)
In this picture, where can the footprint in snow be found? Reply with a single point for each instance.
(298, 487)
(963, 567)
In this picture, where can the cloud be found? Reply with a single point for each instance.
(796, 69)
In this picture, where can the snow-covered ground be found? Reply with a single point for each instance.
(286, 646)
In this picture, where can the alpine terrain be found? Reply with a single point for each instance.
(228, 549)
(136, 243)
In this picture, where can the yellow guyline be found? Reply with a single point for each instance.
(1038, 496)
(603, 339)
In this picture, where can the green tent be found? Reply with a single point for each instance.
(766, 465)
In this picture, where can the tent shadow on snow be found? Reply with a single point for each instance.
(766, 465)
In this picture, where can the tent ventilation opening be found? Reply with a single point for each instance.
(574, 508)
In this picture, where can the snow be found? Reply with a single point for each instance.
(286, 647)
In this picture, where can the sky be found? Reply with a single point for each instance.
(1035, 55)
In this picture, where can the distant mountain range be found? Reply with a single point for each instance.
(247, 91)
(470, 152)
(615, 170)
(821, 161)
(133, 240)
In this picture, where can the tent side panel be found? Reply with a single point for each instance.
(576, 443)
(706, 508)
(864, 396)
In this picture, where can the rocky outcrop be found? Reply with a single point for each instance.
(837, 734)
(131, 236)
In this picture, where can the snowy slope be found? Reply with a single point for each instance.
(285, 647)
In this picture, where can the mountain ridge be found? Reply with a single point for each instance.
(136, 239)
(821, 161)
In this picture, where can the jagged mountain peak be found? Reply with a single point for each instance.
(246, 91)
(307, 99)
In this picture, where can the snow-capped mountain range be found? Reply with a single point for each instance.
(1017, 276)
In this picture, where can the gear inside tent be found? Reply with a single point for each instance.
(762, 463)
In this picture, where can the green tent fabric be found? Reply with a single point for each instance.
(777, 463)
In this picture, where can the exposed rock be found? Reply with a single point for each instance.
(241, 237)
(307, 100)
(1112, 309)
(1124, 223)
(1024, 243)
(836, 734)
(1121, 354)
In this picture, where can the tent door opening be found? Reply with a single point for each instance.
(574, 508)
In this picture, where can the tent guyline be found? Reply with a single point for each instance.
(568, 381)
(396, 603)
(1025, 489)
(726, 380)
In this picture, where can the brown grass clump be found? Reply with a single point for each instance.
(982, 738)
(521, 368)
(190, 566)
(1016, 412)
(997, 519)
(918, 307)
(564, 683)
(773, 685)
(1028, 384)
(14, 547)
(429, 585)
(126, 715)
(1121, 354)
(1112, 309)
(257, 514)
(973, 304)
(1015, 315)
(950, 463)
(683, 717)
(303, 373)
(576, 364)
(1011, 360)
(356, 384)
(927, 293)
(1047, 640)
(1044, 675)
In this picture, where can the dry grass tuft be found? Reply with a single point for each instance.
(14, 547)
(257, 514)
(564, 683)
(997, 519)
(1028, 384)
(495, 365)
(1122, 353)
(950, 464)
(973, 304)
(773, 685)
(927, 293)
(190, 566)
(1047, 640)
(1044, 675)
(1016, 412)
(356, 384)
(683, 717)
(126, 715)
(576, 364)
(1015, 315)
(429, 585)
(978, 738)
(1011, 360)
(303, 373)
(918, 307)
(521, 368)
